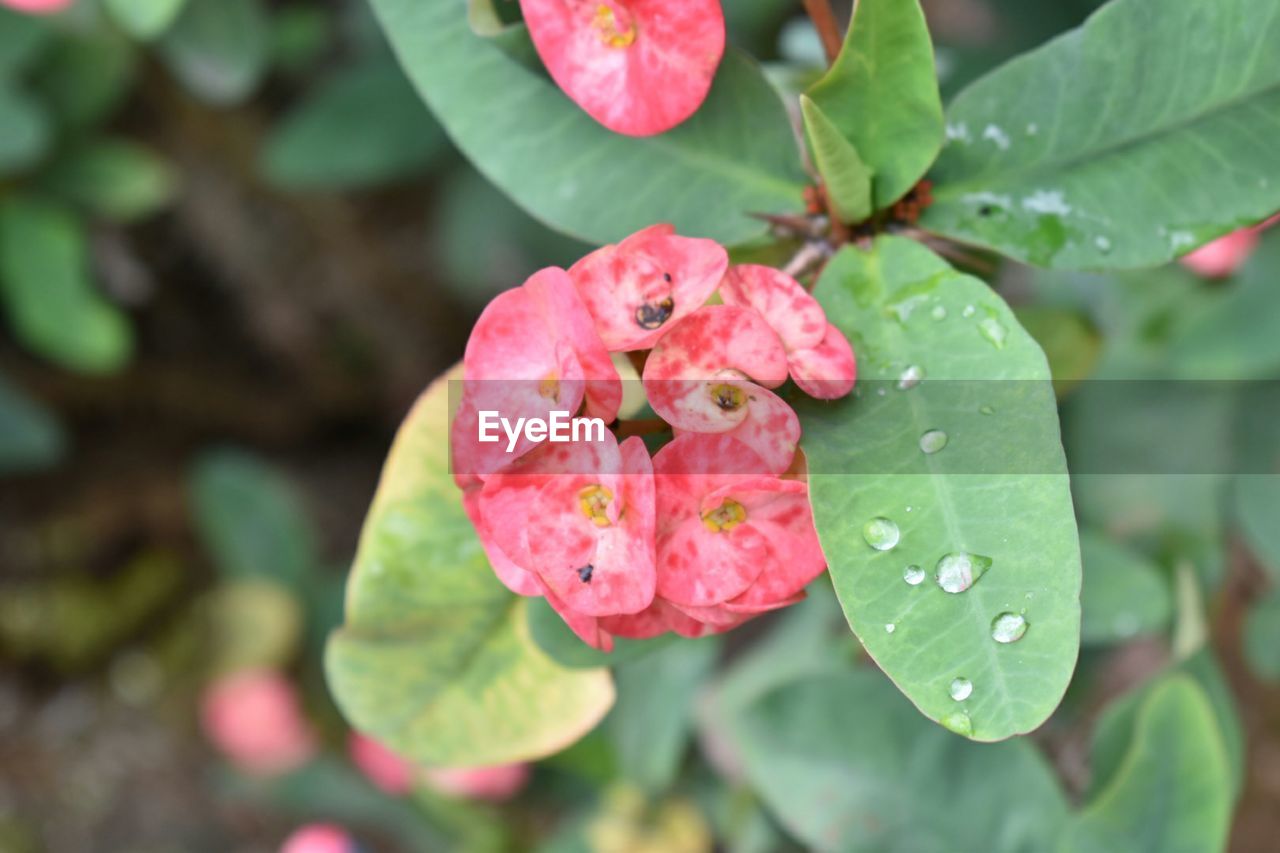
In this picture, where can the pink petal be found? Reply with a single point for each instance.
(319, 838)
(827, 371)
(784, 304)
(515, 578)
(639, 67)
(564, 313)
(589, 629)
(255, 719)
(37, 7)
(645, 284)
(493, 784)
(770, 428)
(380, 765)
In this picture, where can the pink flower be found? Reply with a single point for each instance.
(818, 354)
(494, 784)
(380, 765)
(1223, 256)
(319, 838)
(641, 287)
(38, 7)
(533, 351)
(254, 718)
(697, 376)
(638, 67)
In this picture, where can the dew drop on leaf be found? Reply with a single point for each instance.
(910, 377)
(986, 410)
(881, 534)
(939, 312)
(1008, 627)
(913, 575)
(968, 311)
(994, 331)
(958, 571)
(1103, 244)
(958, 722)
(889, 627)
(933, 441)
(961, 689)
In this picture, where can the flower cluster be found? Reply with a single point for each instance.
(37, 7)
(714, 527)
(638, 67)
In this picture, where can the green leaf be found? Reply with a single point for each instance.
(362, 126)
(435, 658)
(1069, 342)
(997, 490)
(1262, 637)
(1124, 593)
(53, 307)
(251, 520)
(144, 19)
(1257, 506)
(1172, 793)
(219, 49)
(844, 765)
(651, 722)
(22, 37)
(85, 77)
(882, 94)
(558, 641)
(31, 439)
(1125, 143)
(113, 178)
(846, 178)
(1236, 333)
(1114, 732)
(735, 157)
(26, 130)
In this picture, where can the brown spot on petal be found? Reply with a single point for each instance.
(652, 315)
(584, 573)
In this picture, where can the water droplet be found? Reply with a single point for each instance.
(880, 392)
(986, 410)
(910, 377)
(968, 311)
(994, 331)
(881, 534)
(933, 441)
(958, 722)
(958, 571)
(939, 312)
(1008, 628)
(889, 627)
(913, 575)
(961, 689)
(1103, 244)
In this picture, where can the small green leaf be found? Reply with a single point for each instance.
(362, 126)
(844, 765)
(31, 439)
(1173, 792)
(435, 658)
(219, 49)
(251, 519)
(651, 722)
(84, 77)
(22, 37)
(26, 130)
(736, 156)
(1262, 637)
(112, 178)
(965, 469)
(563, 646)
(1124, 143)
(144, 19)
(882, 94)
(52, 304)
(846, 178)
(1257, 506)
(1124, 593)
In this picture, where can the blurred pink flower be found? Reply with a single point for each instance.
(495, 784)
(318, 838)
(37, 7)
(383, 767)
(1225, 255)
(254, 718)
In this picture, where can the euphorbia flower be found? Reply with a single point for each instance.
(493, 784)
(534, 350)
(696, 380)
(380, 765)
(638, 67)
(818, 354)
(38, 7)
(641, 287)
(725, 540)
(254, 718)
(319, 838)
(1224, 256)
(579, 518)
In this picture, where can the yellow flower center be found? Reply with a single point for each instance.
(728, 397)
(725, 517)
(549, 387)
(594, 502)
(612, 32)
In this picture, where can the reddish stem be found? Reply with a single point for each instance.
(828, 30)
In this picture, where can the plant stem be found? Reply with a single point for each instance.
(828, 30)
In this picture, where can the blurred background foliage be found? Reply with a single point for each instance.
(233, 249)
